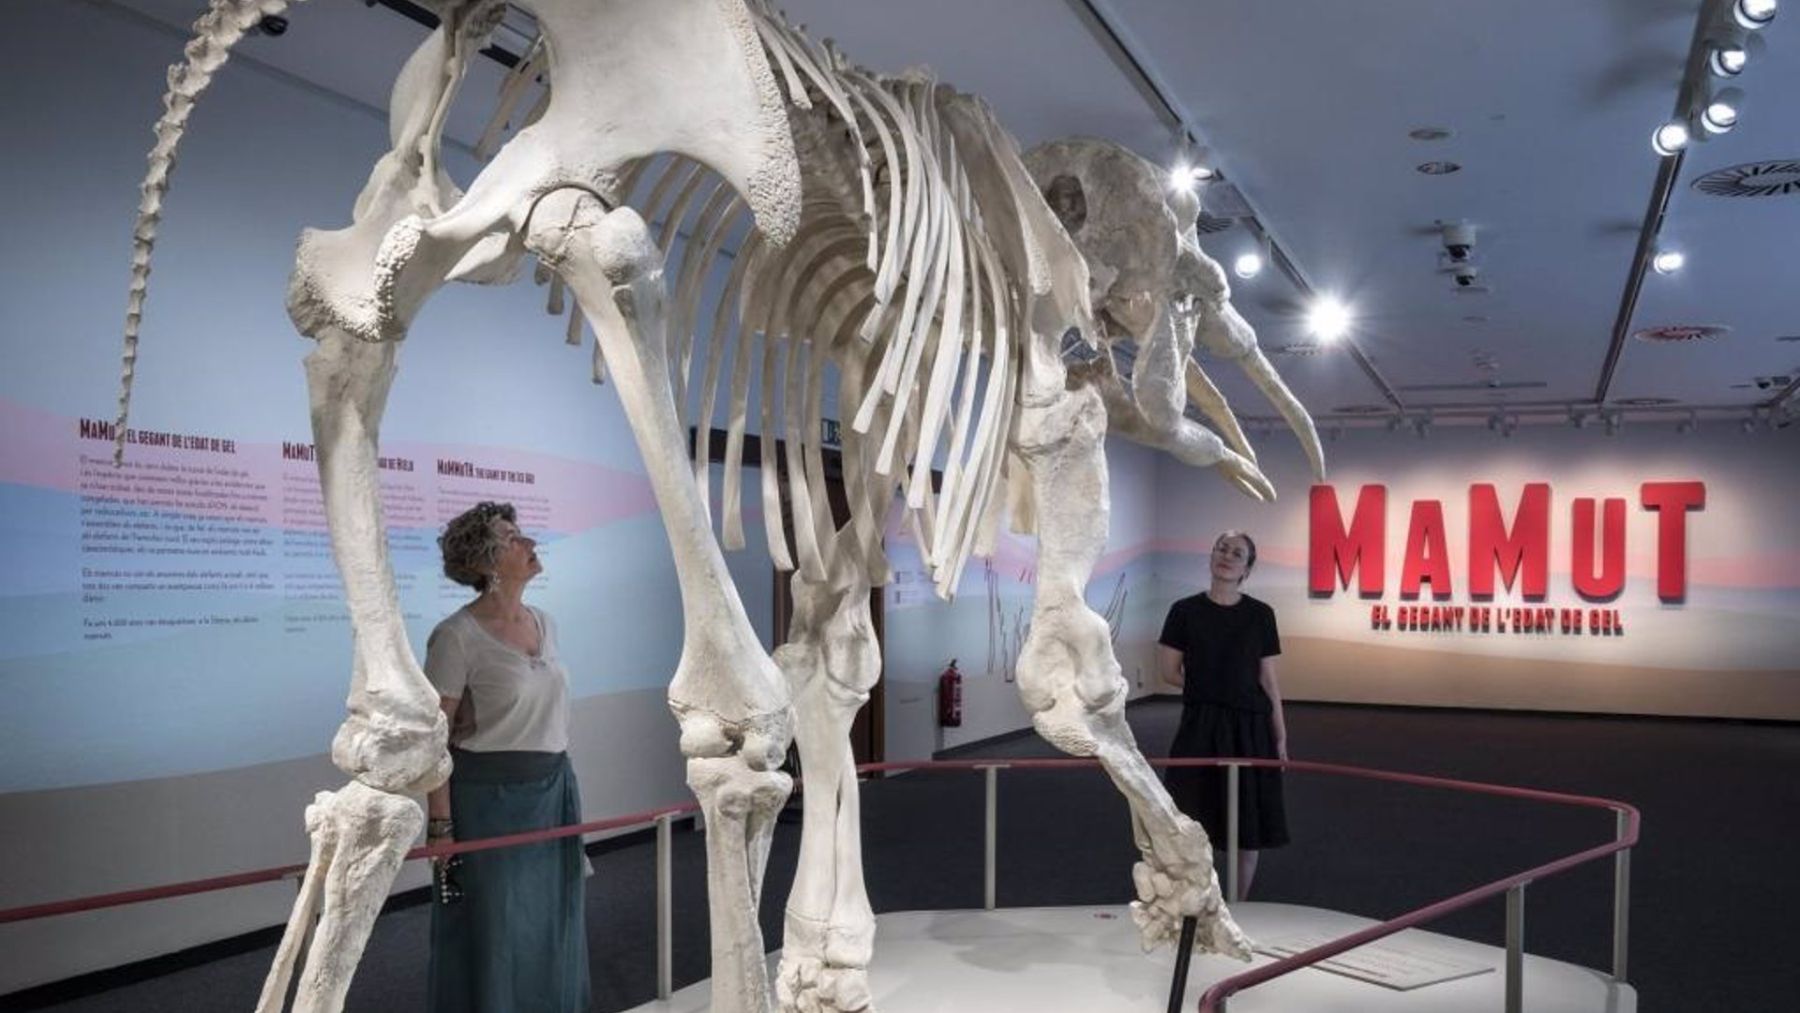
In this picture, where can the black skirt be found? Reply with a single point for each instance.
(1209, 730)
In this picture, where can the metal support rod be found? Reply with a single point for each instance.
(993, 836)
(1231, 833)
(1184, 955)
(1621, 904)
(1515, 949)
(665, 909)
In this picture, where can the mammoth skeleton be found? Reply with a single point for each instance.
(891, 240)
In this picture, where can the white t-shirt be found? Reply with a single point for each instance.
(519, 701)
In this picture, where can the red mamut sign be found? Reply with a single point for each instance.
(1518, 553)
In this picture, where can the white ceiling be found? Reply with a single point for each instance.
(1306, 107)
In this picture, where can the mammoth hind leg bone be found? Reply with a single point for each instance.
(727, 694)
(831, 661)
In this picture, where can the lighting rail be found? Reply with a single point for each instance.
(1109, 31)
(1700, 112)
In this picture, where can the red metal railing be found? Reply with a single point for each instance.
(1625, 838)
(1210, 1002)
(281, 872)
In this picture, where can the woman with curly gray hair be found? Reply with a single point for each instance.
(507, 928)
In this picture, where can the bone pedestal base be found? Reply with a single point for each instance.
(1028, 960)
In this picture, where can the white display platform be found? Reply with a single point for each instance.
(1033, 960)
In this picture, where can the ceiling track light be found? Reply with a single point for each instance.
(1720, 113)
(1328, 319)
(1191, 166)
(1752, 15)
(1688, 425)
(1613, 421)
(1670, 138)
(1187, 176)
(1727, 60)
(1668, 261)
(1251, 262)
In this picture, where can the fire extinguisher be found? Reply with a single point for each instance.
(949, 697)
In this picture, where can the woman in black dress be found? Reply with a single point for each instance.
(1218, 647)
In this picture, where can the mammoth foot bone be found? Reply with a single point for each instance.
(824, 969)
(1176, 881)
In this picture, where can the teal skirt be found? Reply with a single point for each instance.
(515, 941)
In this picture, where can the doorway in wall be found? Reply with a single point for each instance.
(868, 732)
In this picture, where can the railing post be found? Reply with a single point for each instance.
(665, 908)
(1515, 949)
(1621, 903)
(1231, 833)
(989, 860)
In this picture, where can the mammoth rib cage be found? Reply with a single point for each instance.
(913, 279)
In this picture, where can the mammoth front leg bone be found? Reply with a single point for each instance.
(394, 737)
(727, 694)
(831, 661)
(1070, 679)
(392, 743)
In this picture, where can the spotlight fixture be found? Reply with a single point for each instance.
(1687, 425)
(1495, 421)
(1613, 421)
(1188, 176)
(1189, 168)
(1508, 425)
(1668, 261)
(1577, 420)
(1721, 111)
(1754, 14)
(1394, 423)
(1422, 426)
(1728, 59)
(1670, 138)
(1328, 319)
(1248, 264)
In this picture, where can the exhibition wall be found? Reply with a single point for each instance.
(1689, 611)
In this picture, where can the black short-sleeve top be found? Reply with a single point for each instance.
(1222, 647)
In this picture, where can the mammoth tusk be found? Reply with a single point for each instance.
(1202, 394)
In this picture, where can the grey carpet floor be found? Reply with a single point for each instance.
(1714, 892)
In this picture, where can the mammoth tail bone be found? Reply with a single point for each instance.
(217, 31)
